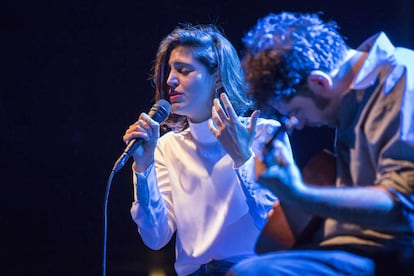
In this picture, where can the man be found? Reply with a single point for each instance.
(300, 66)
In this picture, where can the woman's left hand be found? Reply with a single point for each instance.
(234, 137)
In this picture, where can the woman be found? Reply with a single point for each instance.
(198, 179)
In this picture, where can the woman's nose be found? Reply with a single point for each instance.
(172, 80)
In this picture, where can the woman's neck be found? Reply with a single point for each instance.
(201, 132)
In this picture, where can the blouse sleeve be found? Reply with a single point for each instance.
(150, 210)
(259, 199)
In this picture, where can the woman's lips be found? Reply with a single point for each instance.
(175, 98)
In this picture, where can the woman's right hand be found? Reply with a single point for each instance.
(148, 130)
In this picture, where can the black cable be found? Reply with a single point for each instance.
(105, 223)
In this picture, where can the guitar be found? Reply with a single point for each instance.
(289, 226)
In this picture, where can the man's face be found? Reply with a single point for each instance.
(310, 109)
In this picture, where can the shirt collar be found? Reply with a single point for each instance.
(202, 133)
(379, 49)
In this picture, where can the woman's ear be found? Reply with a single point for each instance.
(218, 86)
(319, 81)
(217, 77)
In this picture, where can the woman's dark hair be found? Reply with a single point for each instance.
(209, 46)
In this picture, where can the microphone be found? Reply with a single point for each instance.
(286, 124)
(159, 112)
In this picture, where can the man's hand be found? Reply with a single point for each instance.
(282, 176)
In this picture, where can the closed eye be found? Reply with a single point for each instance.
(183, 68)
(184, 71)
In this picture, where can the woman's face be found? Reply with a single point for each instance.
(191, 86)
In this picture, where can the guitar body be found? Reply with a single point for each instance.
(289, 225)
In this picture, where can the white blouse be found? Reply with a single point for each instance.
(193, 189)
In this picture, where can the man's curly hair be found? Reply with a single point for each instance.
(282, 49)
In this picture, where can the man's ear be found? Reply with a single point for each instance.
(319, 81)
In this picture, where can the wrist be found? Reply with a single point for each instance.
(238, 162)
(140, 168)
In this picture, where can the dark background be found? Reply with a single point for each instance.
(74, 75)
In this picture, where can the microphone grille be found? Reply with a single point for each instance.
(160, 110)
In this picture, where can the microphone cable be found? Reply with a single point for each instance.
(105, 222)
(158, 112)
